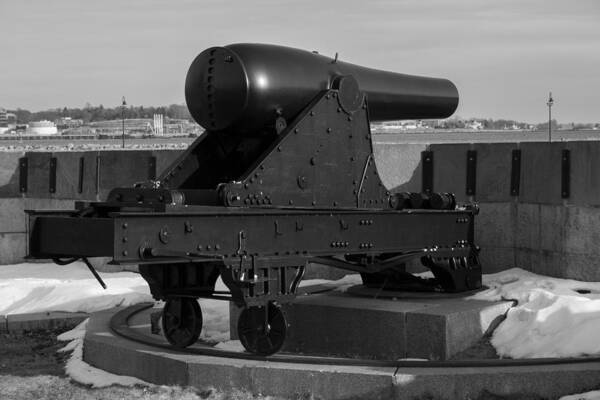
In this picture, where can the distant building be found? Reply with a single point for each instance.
(115, 126)
(42, 128)
(406, 125)
(159, 124)
(68, 123)
(3, 121)
(411, 125)
(474, 125)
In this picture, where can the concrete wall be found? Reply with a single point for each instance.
(538, 229)
(100, 172)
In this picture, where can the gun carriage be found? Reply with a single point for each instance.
(283, 176)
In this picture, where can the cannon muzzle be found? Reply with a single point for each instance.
(245, 87)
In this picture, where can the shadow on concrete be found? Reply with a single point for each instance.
(415, 181)
(9, 176)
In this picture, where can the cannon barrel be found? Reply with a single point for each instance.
(245, 87)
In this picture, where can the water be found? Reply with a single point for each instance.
(484, 137)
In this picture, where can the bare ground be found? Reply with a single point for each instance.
(31, 353)
(54, 387)
(31, 368)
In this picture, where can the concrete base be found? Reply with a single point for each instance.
(105, 350)
(17, 323)
(384, 328)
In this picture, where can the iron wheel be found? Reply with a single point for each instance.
(182, 321)
(262, 329)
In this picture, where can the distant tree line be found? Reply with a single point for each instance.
(501, 124)
(91, 113)
(488, 124)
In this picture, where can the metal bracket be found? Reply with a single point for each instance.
(52, 183)
(81, 170)
(362, 179)
(471, 172)
(97, 174)
(515, 172)
(297, 279)
(343, 224)
(427, 163)
(94, 272)
(241, 243)
(565, 182)
(277, 231)
(163, 234)
(23, 164)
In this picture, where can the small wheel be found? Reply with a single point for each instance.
(262, 334)
(182, 321)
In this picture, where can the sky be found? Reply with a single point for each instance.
(504, 56)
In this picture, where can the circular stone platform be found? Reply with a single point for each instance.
(106, 350)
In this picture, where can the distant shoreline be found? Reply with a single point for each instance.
(84, 143)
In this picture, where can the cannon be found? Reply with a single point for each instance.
(283, 176)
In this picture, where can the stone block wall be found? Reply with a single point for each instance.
(88, 175)
(537, 227)
(549, 225)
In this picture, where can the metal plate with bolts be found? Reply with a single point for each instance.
(515, 172)
(565, 182)
(427, 161)
(471, 172)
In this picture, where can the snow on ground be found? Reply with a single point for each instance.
(82, 372)
(42, 287)
(594, 395)
(230, 345)
(29, 288)
(215, 319)
(340, 285)
(518, 284)
(553, 318)
(32, 287)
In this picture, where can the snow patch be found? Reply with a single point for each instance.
(32, 288)
(82, 372)
(215, 315)
(231, 345)
(340, 285)
(594, 395)
(554, 317)
(518, 284)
